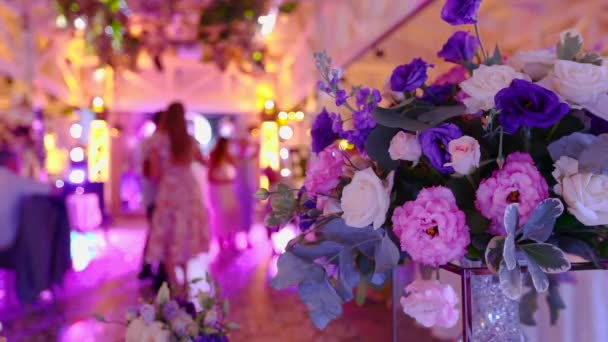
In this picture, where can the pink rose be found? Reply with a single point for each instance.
(455, 75)
(323, 173)
(405, 146)
(432, 229)
(518, 182)
(431, 303)
(465, 154)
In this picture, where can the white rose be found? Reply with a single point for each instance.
(405, 146)
(537, 64)
(465, 154)
(586, 194)
(485, 83)
(581, 83)
(366, 199)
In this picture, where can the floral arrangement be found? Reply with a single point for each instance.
(499, 161)
(167, 319)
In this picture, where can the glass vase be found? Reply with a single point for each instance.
(487, 314)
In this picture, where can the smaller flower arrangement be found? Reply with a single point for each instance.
(168, 319)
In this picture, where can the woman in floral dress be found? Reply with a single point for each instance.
(179, 224)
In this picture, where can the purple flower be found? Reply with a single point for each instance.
(211, 338)
(434, 143)
(322, 132)
(439, 94)
(147, 313)
(409, 77)
(459, 12)
(341, 97)
(525, 104)
(305, 221)
(459, 48)
(336, 124)
(363, 120)
(170, 310)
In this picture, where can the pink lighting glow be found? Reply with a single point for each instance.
(148, 129)
(282, 237)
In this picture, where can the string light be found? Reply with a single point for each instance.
(76, 131)
(80, 23)
(77, 154)
(285, 172)
(77, 176)
(286, 132)
(300, 116)
(284, 153)
(99, 74)
(282, 116)
(269, 104)
(61, 22)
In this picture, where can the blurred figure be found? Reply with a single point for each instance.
(179, 222)
(150, 188)
(223, 200)
(14, 189)
(246, 181)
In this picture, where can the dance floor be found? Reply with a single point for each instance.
(106, 283)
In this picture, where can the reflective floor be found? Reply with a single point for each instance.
(106, 283)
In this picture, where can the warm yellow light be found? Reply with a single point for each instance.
(49, 141)
(98, 104)
(255, 132)
(99, 74)
(263, 92)
(56, 161)
(269, 104)
(269, 145)
(286, 132)
(282, 116)
(345, 145)
(300, 116)
(99, 152)
(291, 116)
(264, 182)
(80, 23)
(114, 132)
(76, 131)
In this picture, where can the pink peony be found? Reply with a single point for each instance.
(432, 229)
(518, 182)
(323, 173)
(431, 303)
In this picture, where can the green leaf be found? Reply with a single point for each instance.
(293, 270)
(477, 223)
(361, 292)
(324, 304)
(569, 46)
(528, 305)
(496, 58)
(394, 118)
(288, 7)
(580, 248)
(377, 145)
(462, 190)
(539, 278)
(510, 281)
(441, 114)
(387, 255)
(549, 258)
(541, 222)
(590, 58)
(494, 253)
(262, 194)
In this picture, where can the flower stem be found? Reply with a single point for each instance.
(483, 51)
(527, 139)
(500, 159)
(552, 131)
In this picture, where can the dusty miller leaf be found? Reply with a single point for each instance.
(539, 226)
(494, 253)
(549, 258)
(510, 281)
(511, 222)
(569, 46)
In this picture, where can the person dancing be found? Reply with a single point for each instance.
(179, 223)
